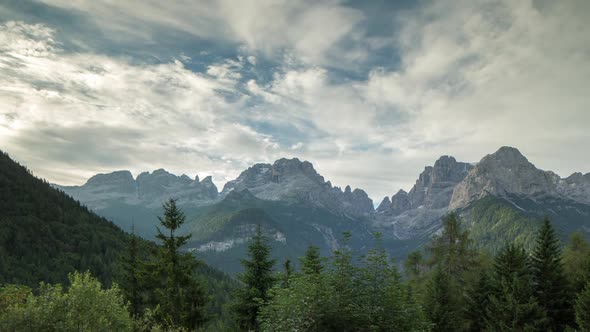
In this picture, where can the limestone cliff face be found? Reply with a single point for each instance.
(295, 180)
(149, 189)
(433, 189)
(506, 171)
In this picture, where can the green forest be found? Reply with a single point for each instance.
(448, 286)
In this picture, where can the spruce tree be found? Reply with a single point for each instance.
(452, 250)
(440, 303)
(551, 285)
(288, 272)
(131, 269)
(582, 307)
(477, 301)
(576, 261)
(413, 266)
(513, 306)
(180, 294)
(257, 280)
(312, 262)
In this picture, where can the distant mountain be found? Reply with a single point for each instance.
(417, 214)
(137, 202)
(127, 201)
(221, 232)
(508, 172)
(503, 197)
(149, 189)
(295, 180)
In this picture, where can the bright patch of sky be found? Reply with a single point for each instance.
(369, 91)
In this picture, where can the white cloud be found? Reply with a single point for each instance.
(310, 29)
(104, 113)
(473, 76)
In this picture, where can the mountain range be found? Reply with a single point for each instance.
(501, 198)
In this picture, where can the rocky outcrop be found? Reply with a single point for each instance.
(576, 187)
(295, 180)
(506, 171)
(433, 189)
(149, 189)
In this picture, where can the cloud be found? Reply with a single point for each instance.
(97, 113)
(311, 30)
(459, 78)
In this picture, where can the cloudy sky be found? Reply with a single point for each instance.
(369, 91)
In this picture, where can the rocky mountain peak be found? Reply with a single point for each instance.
(433, 189)
(296, 180)
(111, 178)
(506, 171)
(207, 180)
(384, 205)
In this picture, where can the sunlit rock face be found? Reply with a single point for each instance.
(149, 189)
(433, 189)
(295, 180)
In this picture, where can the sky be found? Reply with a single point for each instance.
(370, 92)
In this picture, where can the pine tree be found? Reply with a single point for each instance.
(181, 295)
(131, 268)
(452, 250)
(576, 261)
(440, 305)
(582, 307)
(413, 266)
(551, 285)
(288, 272)
(478, 299)
(312, 262)
(513, 306)
(258, 279)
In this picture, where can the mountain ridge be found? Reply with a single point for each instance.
(519, 195)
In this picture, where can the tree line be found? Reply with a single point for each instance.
(446, 286)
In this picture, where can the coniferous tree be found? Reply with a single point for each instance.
(345, 311)
(513, 306)
(440, 303)
(413, 266)
(130, 282)
(288, 272)
(180, 294)
(478, 299)
(551, 285)
(312, 262)
(452, 250)
(257, 280)
(582, 307)
(576, 261)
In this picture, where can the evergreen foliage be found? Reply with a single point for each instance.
(551, 285)
(513, 306)
(179, 294)
(576, 261)
(346, 297)
(477, 302)
(131, 269)
(440, 303)
(257, 279)
(452, 250)
(45, 234)
(582, 308)
(312, 262)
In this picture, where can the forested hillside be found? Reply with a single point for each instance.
(45, 234)
(47, 238)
